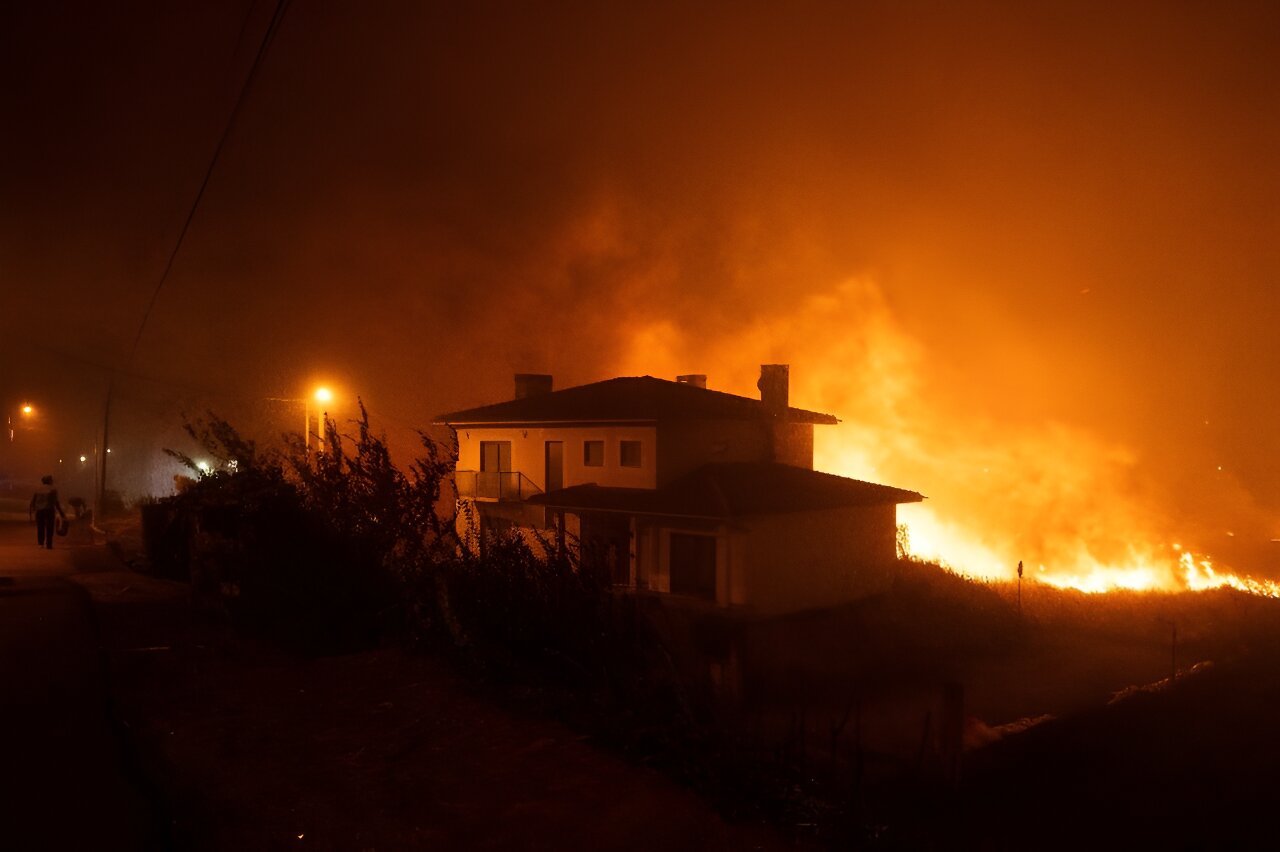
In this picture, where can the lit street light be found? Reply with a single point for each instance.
(321, 395)
(28, 411)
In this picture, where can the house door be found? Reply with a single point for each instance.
(554, 480)
(495, 460)
(495, 456)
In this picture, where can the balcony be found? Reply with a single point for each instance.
(503, 486)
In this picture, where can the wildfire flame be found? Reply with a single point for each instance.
(1077, 508)
(1176, 570)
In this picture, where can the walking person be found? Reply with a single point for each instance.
(43, 504)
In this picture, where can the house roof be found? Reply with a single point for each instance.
(629, 399)
(731, 490)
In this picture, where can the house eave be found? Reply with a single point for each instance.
(539, 424)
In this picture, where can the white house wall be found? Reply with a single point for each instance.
(528, 453)
(784, 562)
(687, 445)
(804, 560)
(653, 556)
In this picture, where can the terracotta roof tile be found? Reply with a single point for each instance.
(636, 398)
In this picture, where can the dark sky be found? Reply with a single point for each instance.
(986, 235)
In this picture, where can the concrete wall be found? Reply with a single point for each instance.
(528, 453)
(793, 444)
(652, 562)
(685, 445)
(667, 452)
(781, 563)
(802, 560)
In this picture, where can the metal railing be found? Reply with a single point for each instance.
(501, 485)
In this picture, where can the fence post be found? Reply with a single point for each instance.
(952, 731)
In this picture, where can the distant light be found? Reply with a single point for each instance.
(203, 466)
(26, 409)
(83, 459)
(323, 394)
(108, 449)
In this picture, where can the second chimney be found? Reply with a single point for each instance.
(532, 384)
(698, 380)
(774, 388)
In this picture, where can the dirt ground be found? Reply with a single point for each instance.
(254, 749)
(389, 750)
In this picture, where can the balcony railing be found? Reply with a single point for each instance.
(508, 486)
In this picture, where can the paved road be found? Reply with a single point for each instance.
(64, 774)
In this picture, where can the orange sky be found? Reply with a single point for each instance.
(1065, 215)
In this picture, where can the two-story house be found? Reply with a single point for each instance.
(673, 488)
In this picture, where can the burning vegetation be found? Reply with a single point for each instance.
(1080, 511)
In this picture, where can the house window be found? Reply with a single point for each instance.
(629, 453)
(693, 565)
(593, 453)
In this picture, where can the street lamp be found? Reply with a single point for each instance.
(28, 411)
(322, 396)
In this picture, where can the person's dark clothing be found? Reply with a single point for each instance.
(43, 505)
(45, 528)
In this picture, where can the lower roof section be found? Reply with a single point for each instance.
(732, 490)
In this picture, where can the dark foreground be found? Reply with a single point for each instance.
(135, 724)
(132, 723)
(68, 781)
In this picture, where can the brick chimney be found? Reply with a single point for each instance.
(532, 384)
(698, 380)
(774, 388)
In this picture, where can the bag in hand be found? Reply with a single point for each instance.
(63, 526)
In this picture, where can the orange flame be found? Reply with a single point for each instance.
(1048, 493)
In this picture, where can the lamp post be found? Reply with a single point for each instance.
(322, 396)
(28, 411)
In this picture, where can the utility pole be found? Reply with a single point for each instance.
(267, 37)
(100, 498)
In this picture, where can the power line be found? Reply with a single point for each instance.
(244, 25)
(267, 38)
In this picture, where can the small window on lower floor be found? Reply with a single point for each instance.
(693, 565)
(629, 453)
(593, 453)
